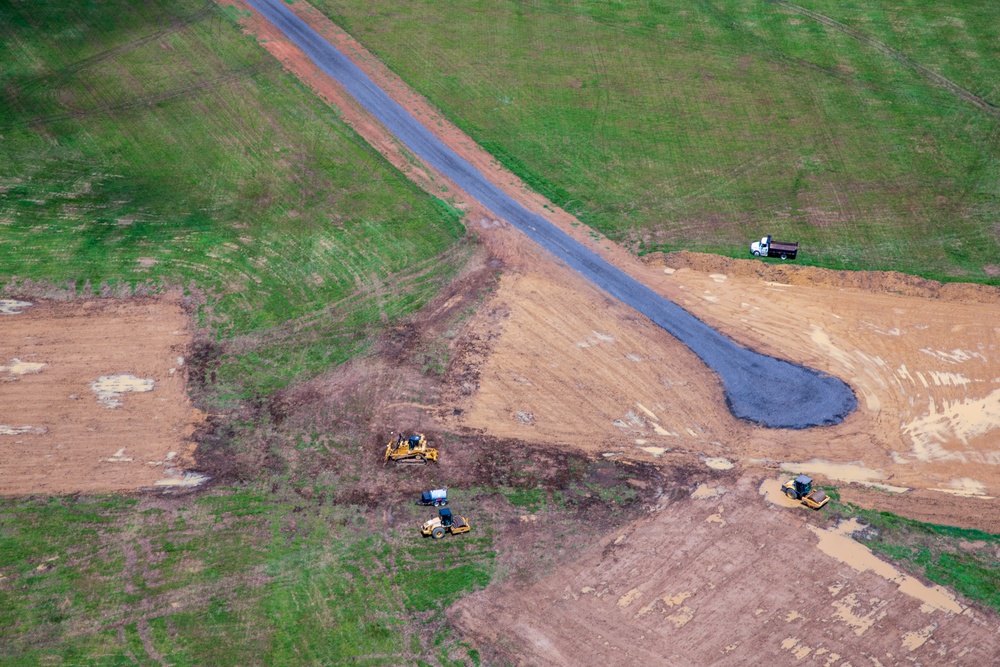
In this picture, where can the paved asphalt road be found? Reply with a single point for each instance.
(758, 388)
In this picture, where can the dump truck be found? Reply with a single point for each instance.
(435, 497)
(768, 247)
(445, 522)
(801, 489)
(409, 450)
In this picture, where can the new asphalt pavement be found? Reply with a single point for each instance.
(757, 387)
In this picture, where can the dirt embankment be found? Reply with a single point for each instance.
(93, 396)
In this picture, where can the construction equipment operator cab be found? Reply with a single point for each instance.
(413, 441)
(803, 486)
(446, 518)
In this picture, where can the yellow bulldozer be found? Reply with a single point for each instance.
(409, 450)
(445, 522)
(801, 489)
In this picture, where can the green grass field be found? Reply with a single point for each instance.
(704, 125)
(238, 577)
(150, 145)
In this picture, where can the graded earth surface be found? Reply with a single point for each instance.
(726, 578)
(93, 396)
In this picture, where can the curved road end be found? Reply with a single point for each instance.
(757, 387)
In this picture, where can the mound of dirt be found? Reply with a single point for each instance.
(885, 282)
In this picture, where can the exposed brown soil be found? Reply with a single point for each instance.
(61, 438)
(726, 579)
(569, 367)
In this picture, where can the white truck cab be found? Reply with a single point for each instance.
(768, 247)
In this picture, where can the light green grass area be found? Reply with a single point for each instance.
(150, 144)
(233, 578)
(703, 125)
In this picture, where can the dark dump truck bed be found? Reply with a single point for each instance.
(781, 247)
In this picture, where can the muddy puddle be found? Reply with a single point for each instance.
(837, 543)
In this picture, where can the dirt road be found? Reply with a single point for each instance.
(759, 388)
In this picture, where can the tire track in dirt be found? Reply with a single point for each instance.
(757, 388)
(898, 56)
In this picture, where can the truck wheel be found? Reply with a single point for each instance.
(756, 253)
(437, 533)
(784, 255)
(790, 493)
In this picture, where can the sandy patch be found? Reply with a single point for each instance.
(13, 307)
(914, 640)
(21, 430)
(182, 479)
(937, 436)
(965, 487)
(16, 367)
(109, 388)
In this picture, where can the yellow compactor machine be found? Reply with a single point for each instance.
(409, 450)
(801, 489)
(445, 522)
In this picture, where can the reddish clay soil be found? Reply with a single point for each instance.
(56, 434)
(725, 578)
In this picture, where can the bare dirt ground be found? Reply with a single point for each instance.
(725, 578)
(571, 368)
(93, 396)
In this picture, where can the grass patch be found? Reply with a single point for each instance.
(287, 584)
(530, 499)
(147, 144)
(704, 125)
